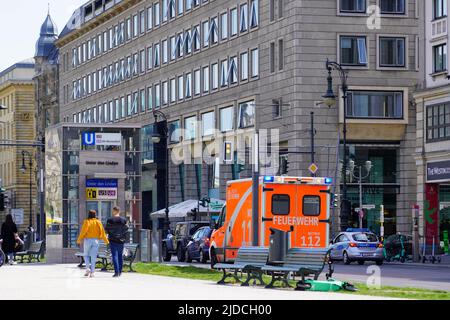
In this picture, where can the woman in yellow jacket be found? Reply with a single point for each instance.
(91, 232)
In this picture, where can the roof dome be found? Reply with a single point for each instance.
(46, 42)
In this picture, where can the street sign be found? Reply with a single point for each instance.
(313, 168)
(17, 216)
(367, 207)
(101, 139)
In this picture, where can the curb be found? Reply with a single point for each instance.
(415, 265)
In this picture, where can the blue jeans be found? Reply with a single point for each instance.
(90, 253)
(117, 256)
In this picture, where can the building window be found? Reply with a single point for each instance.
(243, 22)
(208, 123)
(205, 34)
(188, 85)
(214, 76)
(196, 39)
(190, 125)
(233, 22)
(173, 90)
(165, 52)
(244, 66)
(180, 88)
(440, 58)
(157, 95)
(233, 71)
(392, 6)
(272, 57)
(224, 73)
(353, 6)
(157, 62)
(174, 132)
(224, 26)
(439, 9)
(392, 52)
(227, 119)
(280, 55)
(205, 79)
(142, 22)
(149, 18)
(135, 26)
(197, 82)
(165, 93)
(375, 104)
(150, 98)
(164, 10)
(143, 100)
(255, 63)
(438, 122)
(157, 12)
(214, 31)
(246, 114)
(277, 108)
(254, 13)
(353, 51)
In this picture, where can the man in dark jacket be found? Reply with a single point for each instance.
(117, 230)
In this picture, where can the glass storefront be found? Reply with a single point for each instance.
(379, 188)
(444, 210)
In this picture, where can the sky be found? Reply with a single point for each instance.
(20, 23)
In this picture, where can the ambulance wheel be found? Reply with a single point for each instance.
(213, 257)
(165, 253)
(180, 254)
(346, 259)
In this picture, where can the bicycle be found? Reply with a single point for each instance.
(2, 254)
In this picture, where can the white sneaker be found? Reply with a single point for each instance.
(87, 274)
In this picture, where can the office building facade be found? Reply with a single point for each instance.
(239, 65)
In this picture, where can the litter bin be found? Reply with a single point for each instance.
(278, 245)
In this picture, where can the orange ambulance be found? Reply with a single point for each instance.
(297, 204)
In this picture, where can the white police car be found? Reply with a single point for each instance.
(359, 245)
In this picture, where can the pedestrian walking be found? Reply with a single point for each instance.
(9, 235)
(117, 230)
(91, 234)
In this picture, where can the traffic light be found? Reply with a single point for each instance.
(335, 200)
(228, 154)
(2, 201)
(284, 165)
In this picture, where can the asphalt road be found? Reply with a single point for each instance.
(66, 282)
(413, 276)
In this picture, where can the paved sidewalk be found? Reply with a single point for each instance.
(66, 282)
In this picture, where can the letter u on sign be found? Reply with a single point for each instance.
(88, 139)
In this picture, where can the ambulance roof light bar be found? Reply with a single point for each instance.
(306, 180)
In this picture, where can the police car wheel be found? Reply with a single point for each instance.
(361, 262)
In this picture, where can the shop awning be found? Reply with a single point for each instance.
(182, 209)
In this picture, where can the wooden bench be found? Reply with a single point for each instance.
(34, 252)
(301, 262)
(129, 255)
(102, 251)
(249, 260)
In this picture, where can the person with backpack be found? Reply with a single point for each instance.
(9, 235)
(117, 230)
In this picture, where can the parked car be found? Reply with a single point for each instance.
(198, 247)
(176, 242)
(359, 245)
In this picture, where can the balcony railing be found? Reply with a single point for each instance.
(439, 28)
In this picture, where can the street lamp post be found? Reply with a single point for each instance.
(330, 100)
(157, 139)
(360, 178)
(24, 169)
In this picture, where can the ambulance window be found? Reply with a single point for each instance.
(311, 205)
(281, 204)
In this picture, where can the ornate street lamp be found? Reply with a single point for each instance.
(330, 100)
(156, 139)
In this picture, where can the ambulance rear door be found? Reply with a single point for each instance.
(278, 207)
(312, 222)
